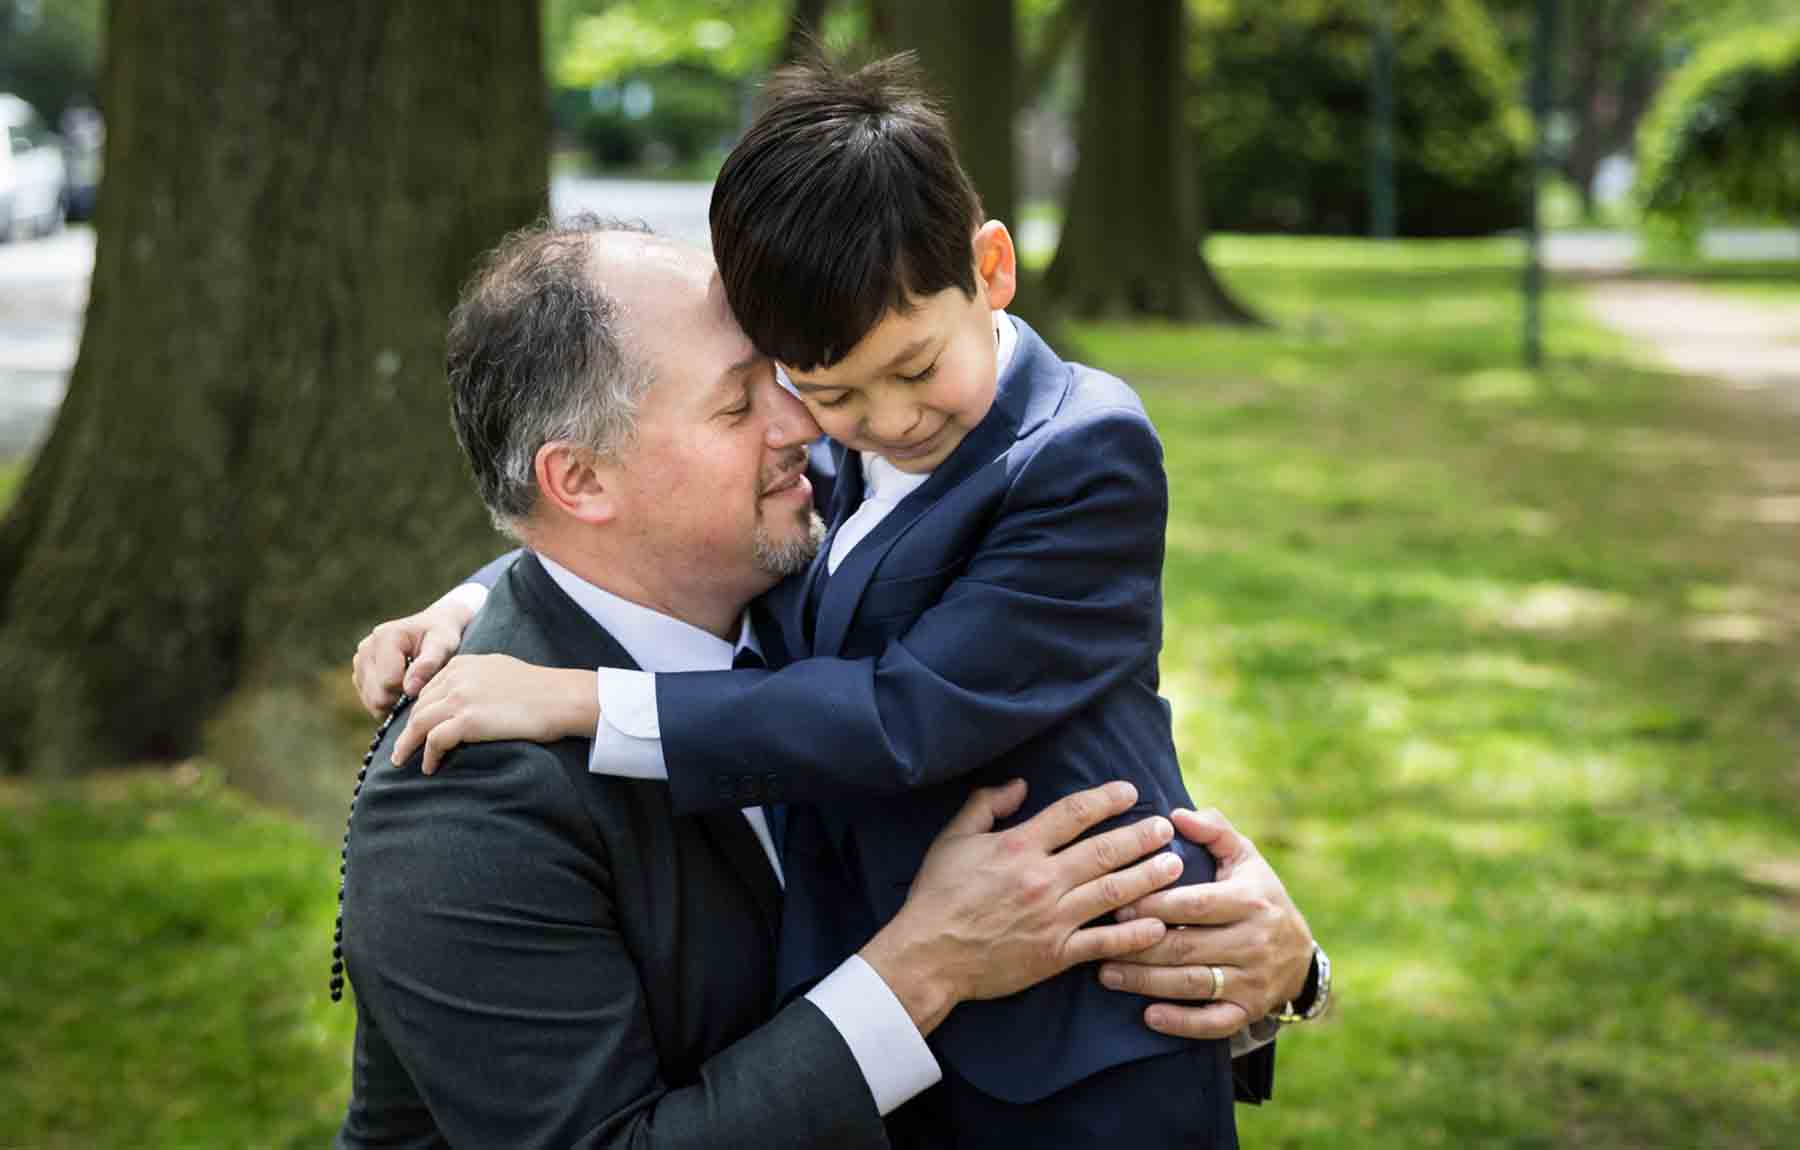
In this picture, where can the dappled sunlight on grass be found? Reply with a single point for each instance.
(1453, 640)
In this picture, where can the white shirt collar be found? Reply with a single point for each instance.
(656, 642)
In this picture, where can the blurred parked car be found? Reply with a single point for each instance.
(32, 174)
(84, 141)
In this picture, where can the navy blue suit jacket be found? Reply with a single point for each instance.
(1004, 620)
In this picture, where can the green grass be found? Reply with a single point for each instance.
(1492, 665)
(163, 978)
(12, 473)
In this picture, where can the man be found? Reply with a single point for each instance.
(547, 957)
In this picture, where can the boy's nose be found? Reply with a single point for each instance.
(890, 422)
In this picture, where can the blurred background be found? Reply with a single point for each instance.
(1471, 327)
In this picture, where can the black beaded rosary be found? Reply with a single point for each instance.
(337, 931)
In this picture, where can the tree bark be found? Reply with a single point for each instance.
(1131, 235)
(252, 462)
(969, 50)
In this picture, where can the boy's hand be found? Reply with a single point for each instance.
(991, 913)
(487, 698)
(402, 655)
(1244, 924)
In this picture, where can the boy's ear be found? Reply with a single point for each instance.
(996, 264)
(573, 481)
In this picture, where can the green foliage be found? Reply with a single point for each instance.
(1281, 116)
(12, 473)
(1724, 134)
(672, 117)
(52, 59)
(163, 978)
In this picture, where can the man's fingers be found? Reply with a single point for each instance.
(1215, 1020)
(1068, 818)
(1116, 888)
(1212, 830)
(983, 808)
(1119, 847)
(1192, 983)
(1207, 904)
(1094, 943)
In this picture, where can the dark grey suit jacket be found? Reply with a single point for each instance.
(545, 957)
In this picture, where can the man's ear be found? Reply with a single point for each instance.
(996, 264)
(571, 479)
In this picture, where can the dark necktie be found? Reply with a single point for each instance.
(776, 813)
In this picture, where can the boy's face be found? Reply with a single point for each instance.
(921, 379)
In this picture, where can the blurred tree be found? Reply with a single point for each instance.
(50, 53)
(251, 462)
(1281, 117)
(1131, 235)
(969, 52)
(1724, 136)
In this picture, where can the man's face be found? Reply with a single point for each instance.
(921, 379)
(713, 489)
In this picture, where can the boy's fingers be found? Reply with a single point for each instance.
(434, 651)
(442, 739)
(1093, 943)
(1116, 888)
(1069, 817)
(1119, 847)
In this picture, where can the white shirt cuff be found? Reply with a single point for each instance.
(628, 741)
(471, 595)
(888, 1048)
(1255, 1036)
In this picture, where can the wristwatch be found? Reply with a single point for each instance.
(1314, 996)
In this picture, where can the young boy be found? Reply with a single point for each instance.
(987, 604)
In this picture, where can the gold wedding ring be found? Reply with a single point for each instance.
(1218, 985)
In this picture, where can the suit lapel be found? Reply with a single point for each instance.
(1027, 394)
(581, 642)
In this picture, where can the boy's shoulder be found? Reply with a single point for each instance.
(1085, 392)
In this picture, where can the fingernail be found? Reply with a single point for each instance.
(1163, 828)
(1111, 979)
(1127, 792)
(1168, 865)
(394, 757)
(1124, 914)
(1156, 1018)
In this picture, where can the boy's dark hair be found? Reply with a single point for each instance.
(844, 200)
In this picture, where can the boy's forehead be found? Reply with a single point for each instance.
(900, 335)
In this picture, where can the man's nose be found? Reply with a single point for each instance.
(789, 421)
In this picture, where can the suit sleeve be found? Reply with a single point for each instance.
(1057, 606)
(490, 572)
(481, 938)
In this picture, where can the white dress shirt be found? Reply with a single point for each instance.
(887, 1047)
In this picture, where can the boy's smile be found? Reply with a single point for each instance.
(921, 379)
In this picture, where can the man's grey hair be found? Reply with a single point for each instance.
(537, 353)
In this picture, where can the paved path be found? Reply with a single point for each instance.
(1751, 343)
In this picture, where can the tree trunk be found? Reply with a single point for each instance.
(804, 20)
(252, 462)
(969, 50)
(1131, 235)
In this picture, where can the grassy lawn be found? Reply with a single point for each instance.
(1497, 670)
(163, 978)
(1498, 667)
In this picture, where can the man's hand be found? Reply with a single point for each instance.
(993, 912)
(381, 669)
(1244, 924)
